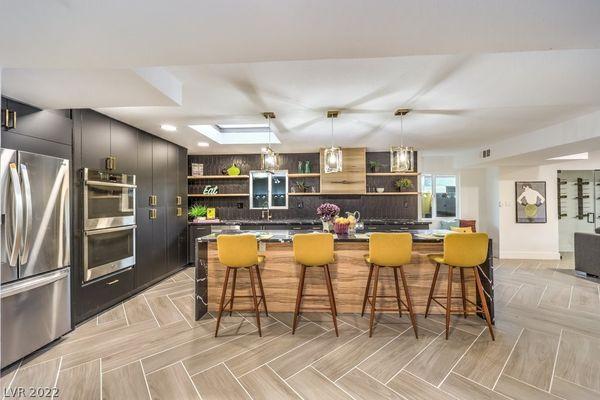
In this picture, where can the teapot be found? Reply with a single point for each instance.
(355, 215)
(354, 218)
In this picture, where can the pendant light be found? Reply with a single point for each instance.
(401, 157)
(270, 159)
(332, 157)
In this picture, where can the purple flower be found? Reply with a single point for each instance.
(327, 211)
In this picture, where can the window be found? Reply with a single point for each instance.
(439, 198)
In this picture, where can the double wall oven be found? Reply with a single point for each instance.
(109, 223)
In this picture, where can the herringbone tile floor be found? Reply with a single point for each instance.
(548, 346)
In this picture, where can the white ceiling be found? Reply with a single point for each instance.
(473, 71)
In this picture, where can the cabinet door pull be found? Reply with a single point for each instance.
(14, 121)
(153, 200)
(112, 282)
(179, 211)
(153, 213)
(178, 200)
(111, 163)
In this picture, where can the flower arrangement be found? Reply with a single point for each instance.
(403, 184)
(327, 211)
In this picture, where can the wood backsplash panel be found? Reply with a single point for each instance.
(352, 179)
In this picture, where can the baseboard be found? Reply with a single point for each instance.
(530, 255)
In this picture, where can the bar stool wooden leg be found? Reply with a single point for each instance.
(397, 292)
(409, 305)
(299, 297)
(232, 291)
(223, 293)
(373, 301)
(262, 291)
(463, 291)
(484, 306)
(331, 298)
(448, 300)
(367, 290)
(256, 310)
(435, 275)
(331, 285)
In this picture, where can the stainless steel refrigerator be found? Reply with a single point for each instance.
(35, 252)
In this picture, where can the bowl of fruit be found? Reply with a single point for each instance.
(341, 225)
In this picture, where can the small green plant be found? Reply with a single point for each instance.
(375, 165)
(301, 186)
(403, 184)
(197, 211)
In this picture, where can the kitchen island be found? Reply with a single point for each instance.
(349, 272)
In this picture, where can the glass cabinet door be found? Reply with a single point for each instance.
(279, 190)
(259, 189)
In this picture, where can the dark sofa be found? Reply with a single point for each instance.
(587, 253)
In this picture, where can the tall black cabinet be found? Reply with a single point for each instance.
(161, 231)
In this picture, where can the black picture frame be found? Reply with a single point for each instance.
(524, 198)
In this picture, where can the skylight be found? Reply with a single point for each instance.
(239, 134)
(578, 156)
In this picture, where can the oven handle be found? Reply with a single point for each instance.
(111, 184)
(101, 231)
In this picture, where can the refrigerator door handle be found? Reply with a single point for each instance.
(26, 188)
(12, 289)
(16, 217)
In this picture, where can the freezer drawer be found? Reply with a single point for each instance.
(35, 311)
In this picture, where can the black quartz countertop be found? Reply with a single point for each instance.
(306, 222)
(265, 235)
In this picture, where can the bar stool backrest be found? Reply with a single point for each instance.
(237, 251)
(465, 249)
(313, 249)
(390, 249)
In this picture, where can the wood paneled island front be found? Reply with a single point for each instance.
(280, 275)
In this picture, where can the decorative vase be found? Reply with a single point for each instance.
(341, 229)
(300, 167)
(307, 167)
(327, 225)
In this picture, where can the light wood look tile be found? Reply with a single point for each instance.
(164, 310)
(127, 382)
(463, 388)
(218, 383)
(91, 328)
(115, 313)
(579, 360)
(311, 385)
(346, 357)
(217, 355)
(483, 362)
(7, 375)
(503, 292)
(264, 353)
(516, 389)
(171, 383)
(556, 295)
(527, 295)
(413, 388)
(263, 383)
(41, 375)
(137, 310)
(585, 298)
(386, 363)
(303, 356)
(69, 381)
(533, 359)
(361, 386)
(433, 364)
(571, 391)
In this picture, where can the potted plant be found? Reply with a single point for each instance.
(197, 212)
(327, 212)
(301, 187)
(404, 184)
(375, 165)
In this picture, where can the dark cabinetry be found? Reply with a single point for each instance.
(195, 233)
(99, 294)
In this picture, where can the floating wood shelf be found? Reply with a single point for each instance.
(392, 194)
(304, 194)
(194, 177)
(392, 173)
(219, 195)
(309, 175)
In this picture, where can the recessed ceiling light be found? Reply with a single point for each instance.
(203, 144)
(578, 156)
(168, 128)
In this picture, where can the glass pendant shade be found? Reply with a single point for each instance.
(333, 160)
(270, 160)
(402, 159)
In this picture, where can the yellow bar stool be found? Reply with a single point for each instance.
(462, 251)
(389, 250)
(237, 252)
(314, 250)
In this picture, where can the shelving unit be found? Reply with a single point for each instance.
(392, 194)
(392, 174)
(219, 195)
(199, 177)
(304, 194)
(310, 175)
